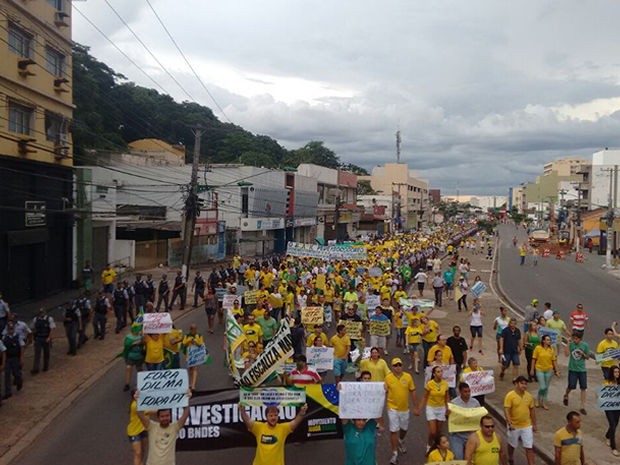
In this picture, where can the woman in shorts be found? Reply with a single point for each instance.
(413, 335)
(436, 401)
(475, 326)
(138, 436)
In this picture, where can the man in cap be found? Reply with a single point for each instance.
(400, 395)
(520, 419)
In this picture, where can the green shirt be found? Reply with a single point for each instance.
(269, 327)
(360, 445)
(578, 353)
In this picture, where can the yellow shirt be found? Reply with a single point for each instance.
(435, 456)
(413, 334)
(431, 336)
(519, 408)
(436, 393)
(312, 337)
(544, 358)
(400, 294)
(602, 347)
(487, 453)
(253, 332)
(175, 334)
(237, 311)
(398, 389)
(414, 316)
(446, 354)
(198, 339)
(350, 297)
(258, 312)
(154, 349)
(386, 292)
(108, 276)
(570, 444)
(267, 279)
(270, 443)
(135, 426)
(340, 345)
(378, 371)
(398, 320)
(329, 295)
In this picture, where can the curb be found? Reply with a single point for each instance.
(29, 438)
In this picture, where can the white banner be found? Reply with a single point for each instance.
(296, 249)
(228, 300)
(156, 323)
(162, 389)
(320, 358)
(259, 397)
(481, 382)
(449, 374)
(361, 400)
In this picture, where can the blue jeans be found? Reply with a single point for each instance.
(544, 379)
(457, 444)
(154, 366)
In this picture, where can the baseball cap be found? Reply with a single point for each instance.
(534, 301)
(396, 360)
(555, 312)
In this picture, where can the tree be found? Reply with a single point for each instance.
(354, 169)
(314, 152)
(364, 188)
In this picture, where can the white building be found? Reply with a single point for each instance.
(603, 163)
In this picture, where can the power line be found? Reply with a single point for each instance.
(188, 63)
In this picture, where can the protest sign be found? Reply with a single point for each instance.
(552, 333)
(312, 315)
(162, 389)
(220, 292)
(156, 323)
(608, 355)
(250, 297)
(379, 328)
(477, 289)
(228, 301)
(320, 282)
(361, 400)
(609, 397)
(353, 329)
(449, 374)
(295, 249)
(480, 382)
(424, 305)
(375, 272)
(277, 351)
(258, 397)
(373, 301)
(196, 355)
(215, 422)
(463, 419)
(320, 358)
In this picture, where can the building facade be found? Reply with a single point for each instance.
(36, 149)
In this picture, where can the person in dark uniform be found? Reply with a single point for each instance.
(163, 293)
(150, 289)
(14, 360)
(83, 303)
(72, 323)
(139, 289)
(43, 331)
(179, 290)
(120, 301)
(100, 315)
(198, 288)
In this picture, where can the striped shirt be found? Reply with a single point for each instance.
(306, 376)
(578, 320)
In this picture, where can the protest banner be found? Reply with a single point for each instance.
(282, 395)
(215, 423)
(552, 333)
(275, 353)
(477, 289)
(220, 292)
(379, 328)
(162, 389)
(608, 355)
(361, 400)
(320, 358)
(449, 374)
(425, 305)
(480, 382)
(464, 419)
(156, 323)
(196, 355)
(228, 301)
(353, 329)
(250, 297)
(609, 397)
(312, 315)
(320, 282)
(375, 272)
(373, 301)
(295, 249)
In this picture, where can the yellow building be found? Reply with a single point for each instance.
(36, 179)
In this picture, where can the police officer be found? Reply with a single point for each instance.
(83, 303)
(139, 288)
(5, 312)
(198, 287)
(131, 295)
(102, 305)
(163, 293)
(150, 289)
(179, 290)
(43, 331)
(72, 323)
(14, 360)
(21, 328)
(120, 300)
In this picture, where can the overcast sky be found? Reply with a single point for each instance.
(484, 92)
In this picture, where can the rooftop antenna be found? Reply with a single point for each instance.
(398, 141)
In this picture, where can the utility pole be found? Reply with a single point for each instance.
(613, 173)
(398, 141)
(191, 206)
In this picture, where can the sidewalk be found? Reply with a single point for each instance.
(594, 424)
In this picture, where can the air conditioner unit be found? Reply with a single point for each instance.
(22, 67)
(58, 82)
(59, 19)
(61, 148)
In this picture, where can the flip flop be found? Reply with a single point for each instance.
(565, 401)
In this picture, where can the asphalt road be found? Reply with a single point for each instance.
(564, 283)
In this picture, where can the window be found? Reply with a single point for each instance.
(57, 4)
(55, 127)
(54, 62)
(20, 118)
(20, 42)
